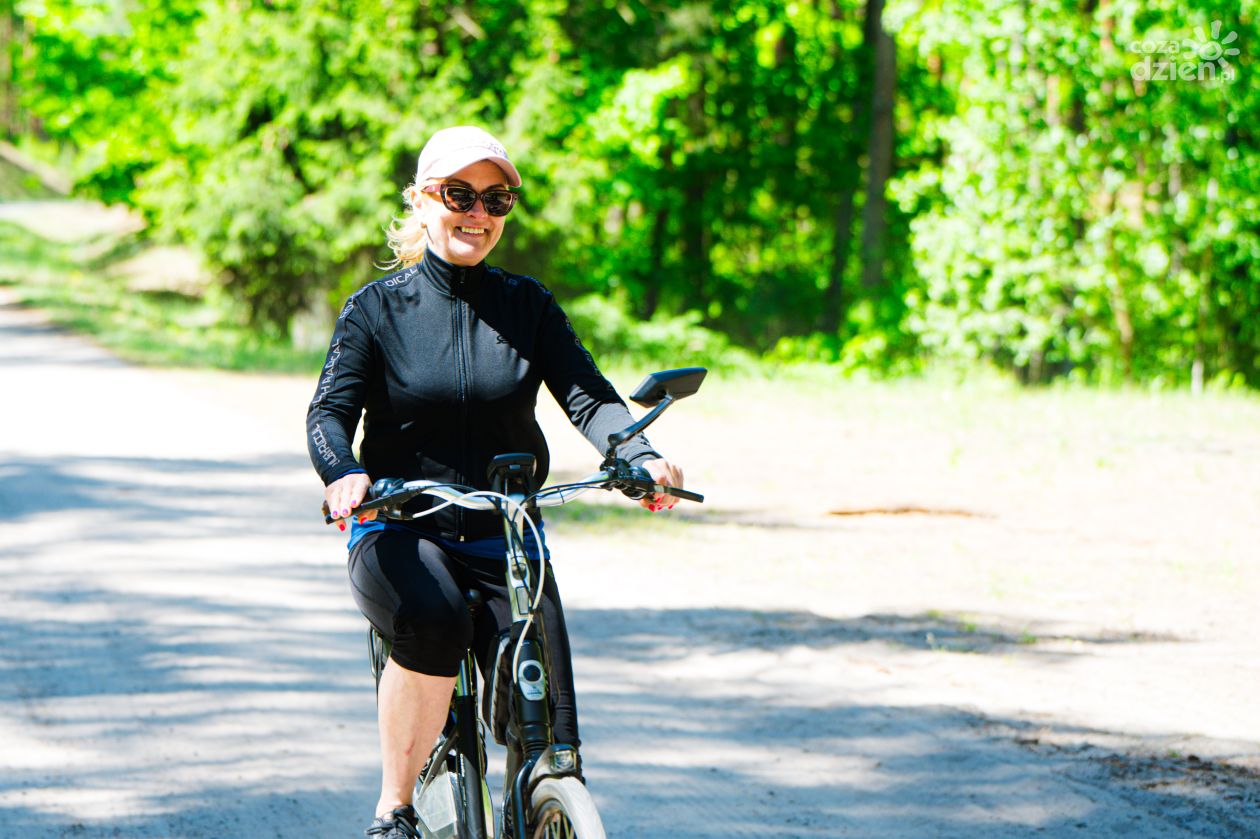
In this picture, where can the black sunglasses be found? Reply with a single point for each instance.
(460, 198)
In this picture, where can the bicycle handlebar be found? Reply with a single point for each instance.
(393, 494)
(658, 391)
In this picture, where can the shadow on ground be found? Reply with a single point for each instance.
(213, 812)
(194, 495)
(226, 716)
(806, 764)
(193, 714)
(668, 759)
(645, 634)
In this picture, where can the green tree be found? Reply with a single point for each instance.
(1081, 219)
(94, 75)
(1056, 208)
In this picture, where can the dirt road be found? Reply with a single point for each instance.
(931, 639)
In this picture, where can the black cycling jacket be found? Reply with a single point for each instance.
(446, 362)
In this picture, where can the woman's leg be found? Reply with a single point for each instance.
(411, 711)
(407, 588)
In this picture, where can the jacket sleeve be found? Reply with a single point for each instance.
(591, 402)
(335, 411)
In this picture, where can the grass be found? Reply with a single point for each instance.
(75, 285)
(18, 184)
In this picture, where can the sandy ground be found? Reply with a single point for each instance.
(905, 611)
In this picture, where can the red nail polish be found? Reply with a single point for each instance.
(362, 519)
(341, 525)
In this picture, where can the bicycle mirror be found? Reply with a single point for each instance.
(674, 383)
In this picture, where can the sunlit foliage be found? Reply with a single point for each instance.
(1056, 206)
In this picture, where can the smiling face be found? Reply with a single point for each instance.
(462, 238)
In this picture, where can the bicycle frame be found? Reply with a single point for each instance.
(458, 806)
(462, 800)
(529, 724)
(461, 751)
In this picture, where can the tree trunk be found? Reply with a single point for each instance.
(1198, 366)
(660, 232)
(785, 58)
(694, 240)
(26, 121)
(880, 147)
(656, 262)
(834, 305)
(833, 308)
(8, 84)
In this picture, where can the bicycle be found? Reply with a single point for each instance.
(543, 796)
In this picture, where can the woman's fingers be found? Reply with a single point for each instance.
(655, 469)
(665, 473)
(672, 477)
(675, 481)
(346, 493)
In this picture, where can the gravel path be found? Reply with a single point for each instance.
(179, 656)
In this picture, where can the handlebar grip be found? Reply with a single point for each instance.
(642, 489)
(379, 495)
(685, 494)
(373, 504)
(642, 483)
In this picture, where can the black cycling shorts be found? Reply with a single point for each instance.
(412, 591)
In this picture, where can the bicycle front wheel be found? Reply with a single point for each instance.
(563, 809)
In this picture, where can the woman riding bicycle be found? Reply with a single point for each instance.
(444, 359)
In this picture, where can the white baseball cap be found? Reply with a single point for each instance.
(451, 149)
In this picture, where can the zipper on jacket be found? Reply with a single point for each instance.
(462, 368)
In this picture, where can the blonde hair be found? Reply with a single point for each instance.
(406, 236)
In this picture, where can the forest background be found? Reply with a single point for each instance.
(1060, 190)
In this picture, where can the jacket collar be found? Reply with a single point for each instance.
(448, 279)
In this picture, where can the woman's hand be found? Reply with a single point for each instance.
(346, 493)
(668, 474)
